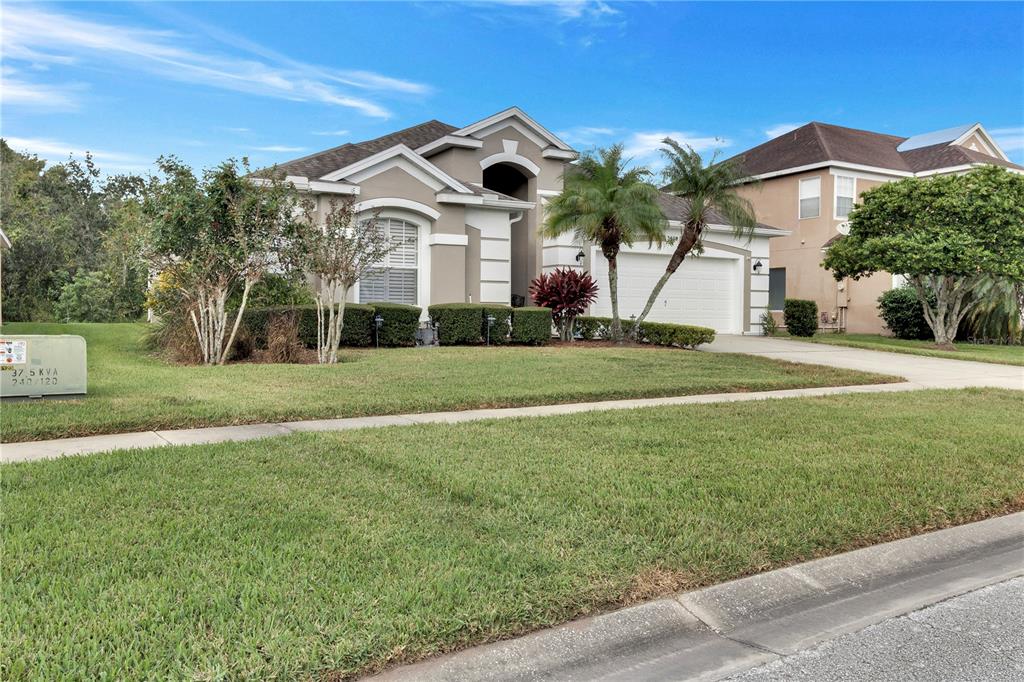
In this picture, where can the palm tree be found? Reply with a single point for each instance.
(711, 194)
(604, 203)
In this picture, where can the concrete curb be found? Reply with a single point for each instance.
(61, 447)
(711, 633)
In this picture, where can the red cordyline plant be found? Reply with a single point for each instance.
(567, 292)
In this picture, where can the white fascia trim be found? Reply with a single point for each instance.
(443, 143)
(453, 198)
(514, 112)
(949, 169)
(395, 202)
(986, 139)
(397, 150)
(824, 164)
(442, 239)
(560, 154)
(548, 192)
(483, 202)
(860, 175)
(510, 157)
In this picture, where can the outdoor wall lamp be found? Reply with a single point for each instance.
(757, 267)
(579, 257)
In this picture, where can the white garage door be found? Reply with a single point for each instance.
(703, 291)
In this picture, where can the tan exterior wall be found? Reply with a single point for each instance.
(776, 202)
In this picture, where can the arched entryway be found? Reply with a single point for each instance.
(518, 182)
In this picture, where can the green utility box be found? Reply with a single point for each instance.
(40, 365)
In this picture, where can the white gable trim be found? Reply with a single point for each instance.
(447, 141)
(991, 148)
(559, 154)
(372, 165)
(510, 157)
(504, 118)
(395, 202)
(304, 184)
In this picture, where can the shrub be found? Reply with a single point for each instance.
(769, 327)
(531, 326)
(357, 330)
(800, 316)
(591, 328)
(87, 298)
(502, 323)
(681, 335)
(567, 292)
(399, 325)
(901, 311)
(273, 291)
(283, 344)
(457, 323)
(172, 336)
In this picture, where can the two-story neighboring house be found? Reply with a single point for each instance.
(807, 181)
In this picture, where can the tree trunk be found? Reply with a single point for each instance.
(613, 293)
(238, 318)
(944, 319)
(686, 242)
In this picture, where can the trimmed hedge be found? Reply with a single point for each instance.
(502, 322)
(399, 325)
(531, 326)
(800, 316)
(901, 310)
(682, 335)
(591, 328)
(458, 324)
(357, 330)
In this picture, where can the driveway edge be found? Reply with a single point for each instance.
(714, 632)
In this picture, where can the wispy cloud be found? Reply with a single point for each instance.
(39, 36)
(586, 135)
(645, 147)
(331, 133)
(57, 151)
(1009, 139)
(237, 130)
(780, 129)
(16, 91)
(280, 148)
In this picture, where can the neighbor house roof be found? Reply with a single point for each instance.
(817, 143)
(678, 209)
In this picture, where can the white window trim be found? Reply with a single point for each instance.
(800, 184)
(835, 195)
(422, 257)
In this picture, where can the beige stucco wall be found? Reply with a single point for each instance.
(776, 202)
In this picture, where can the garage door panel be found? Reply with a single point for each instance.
(703, 291)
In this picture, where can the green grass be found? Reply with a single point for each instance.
(998, 354)
(130, 390)
(320, 554)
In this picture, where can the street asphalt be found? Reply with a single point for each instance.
(976, 637)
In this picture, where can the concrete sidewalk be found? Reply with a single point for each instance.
(712, 633)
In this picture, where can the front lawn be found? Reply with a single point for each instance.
(322, 555)
(1003, 355)
(130, 390)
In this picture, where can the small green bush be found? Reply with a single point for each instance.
(458, 324)
(593, 328)
(769, 327)
(502, 322)
(531, 326)
(399, 325)
(901, 311)
(357, 330)
(681, 335)
(800, 316)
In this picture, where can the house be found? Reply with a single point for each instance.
(467, 204)
(808, 180)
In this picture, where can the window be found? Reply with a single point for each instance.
(394, 281)
(810, 198)
(776, 288)
(845, 190)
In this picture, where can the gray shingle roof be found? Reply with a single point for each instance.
(676, 208)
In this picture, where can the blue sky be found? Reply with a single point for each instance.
(274, 81)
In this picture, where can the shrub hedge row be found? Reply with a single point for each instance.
(654, 333)
(531, 326)
(399, 328)
(466, 324)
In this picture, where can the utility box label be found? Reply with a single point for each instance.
(13, 351)
(39, 365)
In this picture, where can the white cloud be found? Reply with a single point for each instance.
(57, 151)
(331, 133)
(238, 130)
(280, 148)
(645, 147)
(1009, 139)
(780, 129)
(586, 135)
(37, 36)
(14, 91)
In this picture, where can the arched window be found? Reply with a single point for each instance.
(394, 280)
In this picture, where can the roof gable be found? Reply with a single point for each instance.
(541, 135)
(935, 137)
(400, 155)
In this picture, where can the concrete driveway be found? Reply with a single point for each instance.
(919, 369)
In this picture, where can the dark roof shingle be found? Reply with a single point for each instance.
(677, 208)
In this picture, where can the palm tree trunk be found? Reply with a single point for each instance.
(685, 245)
(613, 293)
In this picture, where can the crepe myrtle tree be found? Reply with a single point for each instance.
(947, 235)
(216, 234)
(605, 203)
(338, 251)
(706, 189)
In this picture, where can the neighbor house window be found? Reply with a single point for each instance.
(394, 280)
(845, 187)
(810, 198)
(776, 288)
